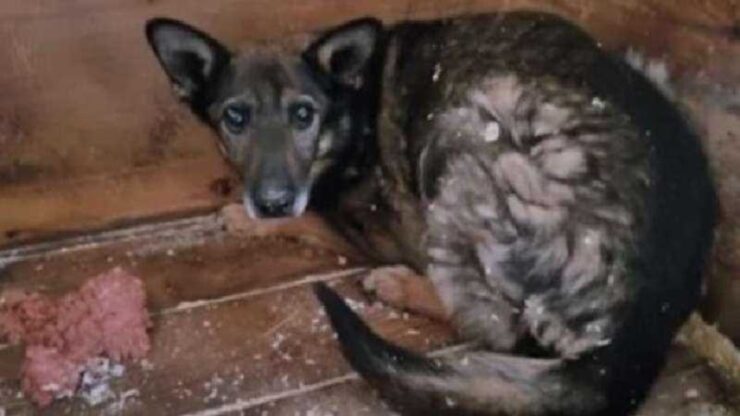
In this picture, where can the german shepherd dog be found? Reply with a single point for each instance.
(559, 203)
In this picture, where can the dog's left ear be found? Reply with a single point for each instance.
(344, 52)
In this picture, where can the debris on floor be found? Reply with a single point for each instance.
(95, 384)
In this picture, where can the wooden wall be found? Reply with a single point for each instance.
(90, 135)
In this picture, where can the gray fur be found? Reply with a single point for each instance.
(534, 211)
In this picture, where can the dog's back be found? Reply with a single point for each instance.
(567, 214)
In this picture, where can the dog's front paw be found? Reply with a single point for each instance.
(402, 288)
(386, 283)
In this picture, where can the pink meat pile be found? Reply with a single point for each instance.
(107, 316)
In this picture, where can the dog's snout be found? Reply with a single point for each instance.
(274, 201)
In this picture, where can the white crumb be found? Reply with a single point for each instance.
(692, 394)
(437, 72)
(117, 406)
(492, 132)
(598, 103)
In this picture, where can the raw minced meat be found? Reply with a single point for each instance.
(107, 316)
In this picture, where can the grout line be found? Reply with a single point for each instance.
(241, 405)
(312, 278)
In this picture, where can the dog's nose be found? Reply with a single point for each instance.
(274, 202)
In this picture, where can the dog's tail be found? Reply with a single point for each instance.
(469, 383)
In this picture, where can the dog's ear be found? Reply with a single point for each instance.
(191, 58)
(344, 52)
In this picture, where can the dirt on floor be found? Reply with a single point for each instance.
(236, 329)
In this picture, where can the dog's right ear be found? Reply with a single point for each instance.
(191, 58)
(345, 51)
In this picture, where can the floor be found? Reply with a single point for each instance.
(236, 327)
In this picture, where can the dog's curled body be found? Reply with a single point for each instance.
(557, 200)
(560, 205)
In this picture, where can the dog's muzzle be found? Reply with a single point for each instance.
(274, 202)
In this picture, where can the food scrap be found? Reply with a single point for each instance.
(106, 317)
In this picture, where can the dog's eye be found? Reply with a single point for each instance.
(236, 118)
(302, 115)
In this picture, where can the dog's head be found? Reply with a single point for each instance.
(282, 119)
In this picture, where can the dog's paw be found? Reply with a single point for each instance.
(402, 288)
(387, 284)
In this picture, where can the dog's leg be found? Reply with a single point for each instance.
(402, 288)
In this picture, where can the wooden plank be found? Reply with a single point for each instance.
(271, 352)
(36, 209)
(200, 262)
(261, 345)
(218, 288)
(685, 388)
(86, 115)
(353, 397)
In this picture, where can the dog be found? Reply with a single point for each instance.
(559, 203)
